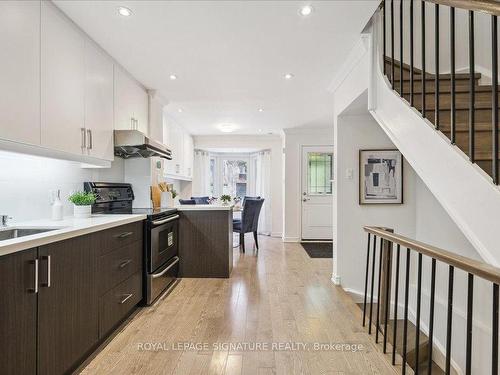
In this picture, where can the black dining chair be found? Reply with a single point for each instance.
(246, 197)
(249, 221)
(201, 200)
(187, 201)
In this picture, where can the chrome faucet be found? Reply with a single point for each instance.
(5, 220)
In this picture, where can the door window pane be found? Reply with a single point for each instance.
(234, 175)
(319, 173)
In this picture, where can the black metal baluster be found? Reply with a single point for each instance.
(423, 56)
(411, 54)
(373, 283)
(470, 299)
(494, 337)
(405, 325)
(401, 48)
(387, 276)
(384, 37)
(449, 321)
(452, 78)
(392, 44)
(494, 97)
(431, 315)
(417, 318)
(366, 277)
(378, 289)
(436, 77)
(396, 293)
(472, 82)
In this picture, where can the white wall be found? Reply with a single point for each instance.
(294, 139)
(263, 142)
(356, 132)
(25, 182)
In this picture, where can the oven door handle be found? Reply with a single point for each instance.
(160, 222)
(160, 274)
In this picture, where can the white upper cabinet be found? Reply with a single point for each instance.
(131, 103)
(20, 71)
(188, 155)
(181, 144)
(62, 83)
(98, 102)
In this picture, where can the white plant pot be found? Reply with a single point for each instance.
(82, 212)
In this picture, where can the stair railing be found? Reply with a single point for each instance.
(491, 7)
(387, 242)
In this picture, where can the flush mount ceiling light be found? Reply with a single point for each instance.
(179, 110)
(172, 77)
(124, 11)
(261, 110)
(288, 76)
(227, 128)
(306, 10)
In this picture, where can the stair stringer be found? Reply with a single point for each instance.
(462, 188)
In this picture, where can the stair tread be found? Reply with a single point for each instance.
(458, 90)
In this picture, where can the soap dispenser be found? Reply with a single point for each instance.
(57, 207)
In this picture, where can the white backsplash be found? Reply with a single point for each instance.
(25, 182)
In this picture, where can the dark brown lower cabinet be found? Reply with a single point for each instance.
(68, 306)
(18, 320)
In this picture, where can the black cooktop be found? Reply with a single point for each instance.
(154, 213)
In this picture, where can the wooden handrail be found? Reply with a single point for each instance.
(466, 264)
(484, 6)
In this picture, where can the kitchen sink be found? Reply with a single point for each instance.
(8, 234)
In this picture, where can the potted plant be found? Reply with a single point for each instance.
(82, 204)
(225, 199)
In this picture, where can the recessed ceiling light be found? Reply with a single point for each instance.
(260, 130)
(173, 77)
(306, 10)
(261, 110)
(124, 11)
(288, 76)
(227, 128)
(179, 110)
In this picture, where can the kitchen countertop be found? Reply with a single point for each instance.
(67, 228)
(203, 207)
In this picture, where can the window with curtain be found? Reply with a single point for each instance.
(319, 173)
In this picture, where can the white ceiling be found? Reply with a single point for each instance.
(230, 56)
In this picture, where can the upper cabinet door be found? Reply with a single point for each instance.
(20, 71)
(63, 82)
(131, 103)
(188, 155)
(98, 102)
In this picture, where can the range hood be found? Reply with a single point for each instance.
(134, 144)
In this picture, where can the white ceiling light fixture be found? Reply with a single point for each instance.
(227, 128)
(124, 11)
(288, 76)
(179, 110)
(172, 77)
(261, 110)
(306, 10)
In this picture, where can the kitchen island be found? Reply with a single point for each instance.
(205, 241)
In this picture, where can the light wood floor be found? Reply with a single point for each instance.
(281, 295)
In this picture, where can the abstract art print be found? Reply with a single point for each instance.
(380, 177)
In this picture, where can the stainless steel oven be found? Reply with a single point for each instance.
(162, 241)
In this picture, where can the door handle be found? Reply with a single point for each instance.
(160, 274)
(47, 258)
(124, 263)
(305, 199)
(127, 297)
(35, 285)
(84, 138)
(124, 235)
(89, 134)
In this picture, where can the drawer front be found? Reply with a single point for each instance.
(119, 265)
(115, 305)
(114, 238)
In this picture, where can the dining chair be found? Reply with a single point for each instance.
(201, 200)
(187, 201)
(249, 221)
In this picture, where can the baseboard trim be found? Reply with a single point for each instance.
(276, 234)
(291, 239)
(336, 280)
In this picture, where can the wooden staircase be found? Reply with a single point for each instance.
(423, 352)
(483, 143)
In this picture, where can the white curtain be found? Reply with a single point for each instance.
(201, 174)
(263, 189)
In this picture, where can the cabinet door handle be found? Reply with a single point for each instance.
(124, 263)
(132, 123)
(35, 285)
(127, 297)
(84, 138)
(124, 235)
(49, 271)
(89, 133)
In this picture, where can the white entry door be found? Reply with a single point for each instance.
(316, 199)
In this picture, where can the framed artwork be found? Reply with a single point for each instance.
(380, 177)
